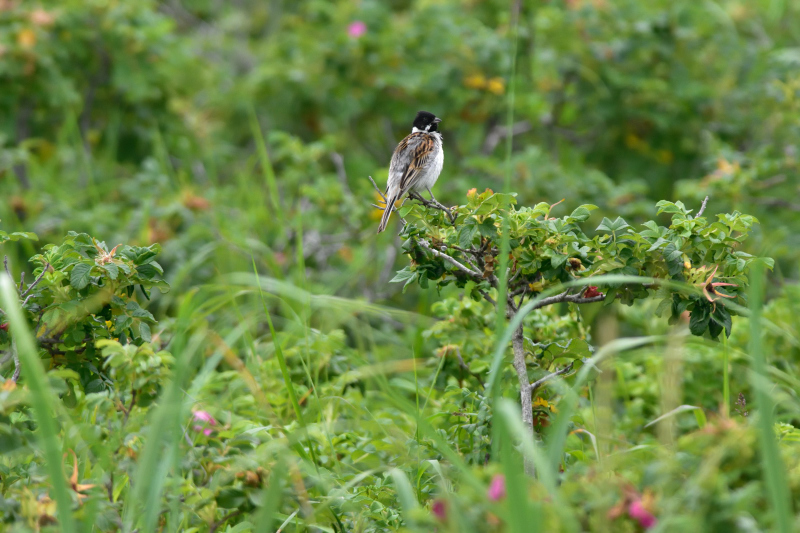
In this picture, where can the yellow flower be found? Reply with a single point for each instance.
(724, 167)
(26, 38)
(541, 402)
(476, 81)
(496, 86)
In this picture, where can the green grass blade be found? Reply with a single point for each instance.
(266, 165)
(774, 478)
(405, 493)
(287, 380)
(699, 415)
(43, 401)
(519, 510)
(272, 496)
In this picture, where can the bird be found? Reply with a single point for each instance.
(416, 163)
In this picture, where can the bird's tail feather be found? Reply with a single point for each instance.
(390, 200)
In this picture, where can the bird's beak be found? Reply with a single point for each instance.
(437, 120)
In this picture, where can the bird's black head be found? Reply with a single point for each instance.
(426, 121)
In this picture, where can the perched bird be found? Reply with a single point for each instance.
(416, 163)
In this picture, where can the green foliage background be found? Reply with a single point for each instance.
(239, 136)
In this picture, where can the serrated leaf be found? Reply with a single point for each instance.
(557, 260)
(144, 332)
(80, 275)
(465, 235)
(112, 269)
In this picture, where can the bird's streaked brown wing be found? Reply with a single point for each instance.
(411, 156)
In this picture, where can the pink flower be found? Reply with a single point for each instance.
(204, 416)
(639, 512)
(497, 488)
(439, 509)
(356, 29)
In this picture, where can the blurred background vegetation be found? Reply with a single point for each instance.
(235, 133)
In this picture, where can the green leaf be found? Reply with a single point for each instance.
(144, 332)
(674, 259)
(670, 207)
(582, 213)
(699, 320)
(230, 498)
(23, 235)
(405, 210)
(80, 275)
(616, 225)
(112, 269)
(465, 235)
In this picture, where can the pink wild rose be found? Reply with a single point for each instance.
(204, 416)
(356, 29)
(639, 512)
(497, 488)
(439, 509)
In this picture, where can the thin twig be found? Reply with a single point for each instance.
(433, 203)
(17, 366)
(341, 173)
(36, 281)
(468, 271)
(487, 297)
(464, 366)
(377, 189)
(538, 383)
(224, 519)
(702, 208)
(566, 297)
(5, 263)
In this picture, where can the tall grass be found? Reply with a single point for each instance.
(774, 470)
(43, 400)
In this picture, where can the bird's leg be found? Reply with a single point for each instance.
(433, 199)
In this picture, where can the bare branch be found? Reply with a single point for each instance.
(468, 271)
(433, 203)
(538, 383)
(17, 366)
(567, 297)
(35, 282)
(378, 190)
(487, 297)
(702, 208)
(500, 132)
(518, 347)
(338, 162)
(778, 202)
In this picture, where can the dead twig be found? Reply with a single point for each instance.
(36, 281)
(377, 189)
(464, 366)
(567, 297)
(702, 208)
(538, 383)
(468, 271)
